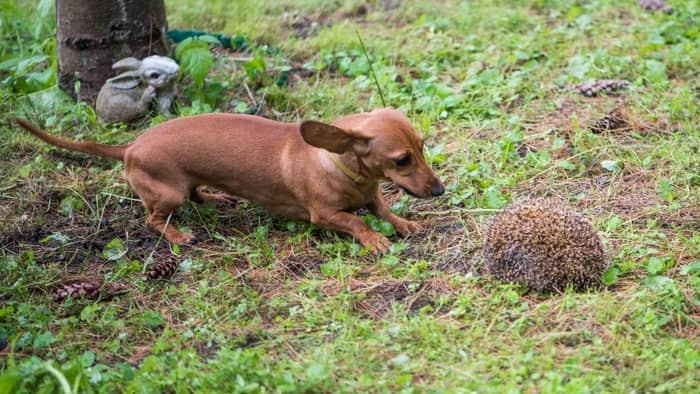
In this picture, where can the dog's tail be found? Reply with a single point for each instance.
(93, 148)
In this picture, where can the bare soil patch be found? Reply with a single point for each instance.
(375, 296)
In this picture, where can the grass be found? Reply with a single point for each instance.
(265, 304)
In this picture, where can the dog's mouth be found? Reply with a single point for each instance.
(435, 190)
(409, 192)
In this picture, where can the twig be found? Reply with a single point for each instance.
(120, 197)
(460, 210)
(150, 255)
(250, 94)
(7, 188)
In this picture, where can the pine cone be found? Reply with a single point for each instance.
(656, 5)
(89, 289)
(613, 120)
(162, 269)
(610, 86)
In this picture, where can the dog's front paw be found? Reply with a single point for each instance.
(405, 227)
(377, 243)
(181, 238)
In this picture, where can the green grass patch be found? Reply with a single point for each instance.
(264, 304)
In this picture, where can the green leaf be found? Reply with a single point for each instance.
(490, 76)
(114, 250)
(493, 198)
(195, 59)
(660, 283)
(185, 265)
(316, 372)
(9, 380)
(578, 67)
(6, 312)
(453, 101)
(88, 312)
(40, 80)
(187, 44)
(241, 107)
(9, 64)
(573, 13)
(692, 268)
(584, 21)
(611, 165)
(655, 71)
(73, 372)
(58, 237)
(87, 359)
(613, 223)
(565, 165)
(197, 63)
(330, 268)
(655, 265)
(255, 66)
(390, 260)
(435, 154)
(25, 170)
(386, 228)
(404, 380)
(25, 65)
(153, 318)
(43, 340)
(511, 296)
(69, 205)
(210, 39)
(665, 189)
(49, 100)
(397, 247)
(558, 143)
(611, 276)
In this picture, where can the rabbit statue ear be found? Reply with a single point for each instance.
(125, 81)
(127, 64)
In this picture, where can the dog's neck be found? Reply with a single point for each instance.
(351, 166)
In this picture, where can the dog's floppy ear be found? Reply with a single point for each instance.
(332, 138)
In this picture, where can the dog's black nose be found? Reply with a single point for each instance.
(437, 190)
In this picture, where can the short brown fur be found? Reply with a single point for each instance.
(284, 167)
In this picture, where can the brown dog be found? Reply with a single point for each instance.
(311, 171)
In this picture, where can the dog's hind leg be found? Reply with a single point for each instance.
(200, 196)
(161, 200)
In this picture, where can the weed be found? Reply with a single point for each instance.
(264, 304)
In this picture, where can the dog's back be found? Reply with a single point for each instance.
(242, 155)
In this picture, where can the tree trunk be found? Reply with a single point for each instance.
(93, 34)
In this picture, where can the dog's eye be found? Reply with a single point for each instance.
(403, 161)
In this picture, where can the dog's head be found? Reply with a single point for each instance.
(385, 142)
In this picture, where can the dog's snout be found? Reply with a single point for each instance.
(437, 189)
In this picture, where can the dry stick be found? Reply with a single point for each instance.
(7, 188)
(371, 69)
(476, 211)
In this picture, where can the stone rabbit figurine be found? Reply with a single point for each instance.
(128, 96)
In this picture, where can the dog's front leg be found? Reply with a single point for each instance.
(380, 208)
(353, 225)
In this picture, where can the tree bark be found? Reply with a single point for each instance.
(93, 34)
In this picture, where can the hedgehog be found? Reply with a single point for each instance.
(544, 245)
